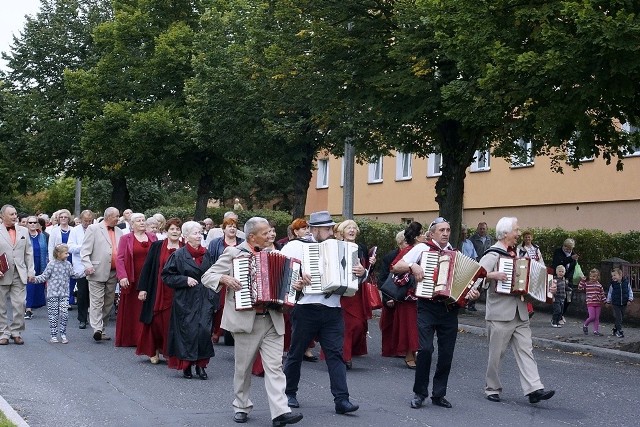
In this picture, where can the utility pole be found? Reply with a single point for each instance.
(76, 205)
(347, 188)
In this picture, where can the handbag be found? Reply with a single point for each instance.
(373, 295)
(395, 292)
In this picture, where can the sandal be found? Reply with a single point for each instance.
(411, 364)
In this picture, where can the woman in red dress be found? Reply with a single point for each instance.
(132, 252)
(155, 295)
(356, 310)
(399, 319)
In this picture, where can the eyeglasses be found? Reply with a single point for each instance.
(438, 220)
(32, 222)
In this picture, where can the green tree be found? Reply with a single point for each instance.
(132, 100)
(43, 127)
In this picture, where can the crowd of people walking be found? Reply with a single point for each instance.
(174, 287)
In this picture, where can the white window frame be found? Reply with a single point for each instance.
(322, 177)
(376, 170)
(482, 161)
(434, 165)
(629, 129)
(342, 172)
(516, 162)
(404, 162)
(570, 149)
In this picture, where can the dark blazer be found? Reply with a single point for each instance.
(216, 247)
(193, 307)
(560, 258)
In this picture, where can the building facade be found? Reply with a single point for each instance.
(401, 188)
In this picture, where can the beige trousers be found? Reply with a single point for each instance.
(265, 339)
(517, 333)
(101, 297)
(17, 293)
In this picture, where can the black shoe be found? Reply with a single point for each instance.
(187, 373)
(417, 401)
(441, 401)
(349, 365)
(344, 406)
(240, 417)
(83, 325)
(539, 395)
(285, 419)
(200, 372)
(493, 397)
(292, 402)
(311, 358)
(97, 335)
(470, 308)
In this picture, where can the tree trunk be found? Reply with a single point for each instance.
(457, 155)
(120, 193)
(302, 172)
(202, 198)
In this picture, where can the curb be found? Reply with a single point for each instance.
(605, 353)
(11, 414)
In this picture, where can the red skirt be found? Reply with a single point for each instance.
(216, 330)
(128, 324)
(154, 335)
(175, 363)
(400, 329)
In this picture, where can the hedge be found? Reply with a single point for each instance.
(593, 246)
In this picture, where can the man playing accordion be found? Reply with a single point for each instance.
(508, 321)
(260, 329)
(433, 317)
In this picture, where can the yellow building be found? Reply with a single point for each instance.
(402, 188)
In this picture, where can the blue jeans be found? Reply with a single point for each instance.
(309, 321)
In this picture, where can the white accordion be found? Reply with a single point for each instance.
(448, 276)
(524, 277)
(330, 265)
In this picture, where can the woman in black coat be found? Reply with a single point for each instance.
(189, 341)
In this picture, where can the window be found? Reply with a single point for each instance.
(523, 156)
(322, 180)
(403, 166)
(632, 129)
(434, 164)
(571, 150)
(342, 172)
(375, 171)
(482, 161)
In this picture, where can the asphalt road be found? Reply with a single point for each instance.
(84, 383)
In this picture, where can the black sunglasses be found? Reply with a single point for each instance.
(438, 220)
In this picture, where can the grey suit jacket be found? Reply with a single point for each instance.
(96, 251)
(19, 255)
(232, 319)
(501, 307)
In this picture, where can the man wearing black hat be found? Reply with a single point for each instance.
(321, 316)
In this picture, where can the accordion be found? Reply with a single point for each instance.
(448, 276)
(330, 265)
(524, 277)
(266, 279)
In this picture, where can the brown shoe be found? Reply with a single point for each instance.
(18, 340)
(4, 341)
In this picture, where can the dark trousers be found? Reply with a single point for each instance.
(82, 299)
(309, 321)
(435, 318)
(558, 306)
(618, 314)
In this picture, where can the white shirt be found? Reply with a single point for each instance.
(75, 243)
(415, 253)
(294, 249)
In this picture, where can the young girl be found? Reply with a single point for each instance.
(57, 273)
(595, 298)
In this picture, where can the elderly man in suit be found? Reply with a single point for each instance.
(76, 237)
(98, 254)
(16, 247)
(260, 329)
(508, 321)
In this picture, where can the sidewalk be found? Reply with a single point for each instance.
(569, 338)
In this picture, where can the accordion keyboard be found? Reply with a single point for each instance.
(241, 272)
